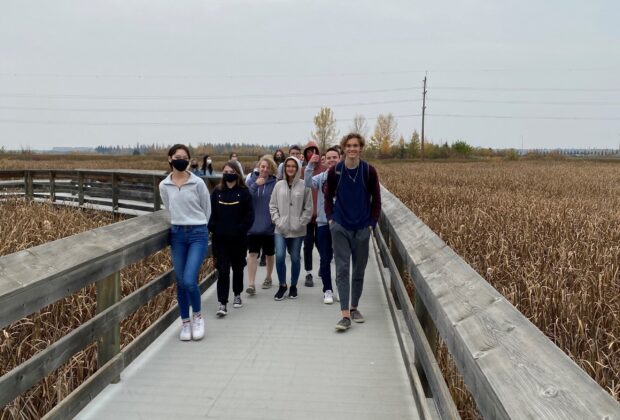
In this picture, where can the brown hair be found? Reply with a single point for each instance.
(235, 166)
(351, 136)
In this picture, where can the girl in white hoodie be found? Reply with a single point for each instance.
(291, 210)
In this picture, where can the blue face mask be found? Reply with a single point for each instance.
(229, 177)
(180, 164)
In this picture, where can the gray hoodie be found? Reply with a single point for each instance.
(291, 206)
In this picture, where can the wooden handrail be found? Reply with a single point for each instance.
(511, 368)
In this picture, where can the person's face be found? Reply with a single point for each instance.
(228, 170)
(322, 158)
(331, 158)
(352, 149)
(295, 153)
(291, 168)
(233, 157)
(279, 155)
(263, 169)
(178, 154)
(193, 162)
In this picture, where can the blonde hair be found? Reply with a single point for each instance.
(273, 168)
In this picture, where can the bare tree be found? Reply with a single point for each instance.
(325, 131)
(384, 135)
(360, 126)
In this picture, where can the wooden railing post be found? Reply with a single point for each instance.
(52, 186)
(81, 188)
(156, 197)
(109, 344)
(28, 187)
(115, 193)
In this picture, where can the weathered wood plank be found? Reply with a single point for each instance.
(38, 276)
(512, 370)
(109, 343)
(29, 373)
(424, 352)
(87, 391)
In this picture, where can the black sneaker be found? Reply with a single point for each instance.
(221, 311)
(292, 294)
(263, 262)
(343, 324)
(280, 293)
(356, 316)
(309, 282)
(237, 303)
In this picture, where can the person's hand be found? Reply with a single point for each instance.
(260, 181)
(315, 158)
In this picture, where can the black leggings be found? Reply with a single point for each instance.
(229, 252)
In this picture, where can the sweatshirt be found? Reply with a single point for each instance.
(233, 213)
(353, 196)
(188, 204)
(291, 206)
(313, 147)
(261, 195)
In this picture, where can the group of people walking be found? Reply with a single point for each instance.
(329, 201)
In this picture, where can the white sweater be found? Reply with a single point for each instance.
(188, 205)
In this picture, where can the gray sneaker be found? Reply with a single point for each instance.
(343, 324)
(237, 303)
(267, 284)
(309, 282)
(356, 316)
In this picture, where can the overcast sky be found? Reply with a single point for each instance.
(500, 73)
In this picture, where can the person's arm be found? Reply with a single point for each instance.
(248, 213)
(375, 196)
(306, 214)
(330, 193)
(273, 206)
(163, 193)
(308, 175)
(213, 204)
(252, 186)
(205, 202)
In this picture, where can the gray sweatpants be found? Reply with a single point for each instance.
(350, 246)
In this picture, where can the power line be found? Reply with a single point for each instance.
(490, 101)
(526, 89)
(182, 110)
(260, 123)
(197, 97)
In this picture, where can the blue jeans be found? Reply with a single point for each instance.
(326, 253)
(293, 245)
(189, 248)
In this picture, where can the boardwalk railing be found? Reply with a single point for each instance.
(128, 191)
(511, 368)
(36, 277)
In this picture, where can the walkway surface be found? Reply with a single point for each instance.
(270, 360)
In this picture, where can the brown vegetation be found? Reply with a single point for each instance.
(26, 224)
(545, 234)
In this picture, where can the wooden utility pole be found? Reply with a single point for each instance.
(423, 112)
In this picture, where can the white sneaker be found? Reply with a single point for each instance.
(186, 332)
(198, 328)
(328, 297)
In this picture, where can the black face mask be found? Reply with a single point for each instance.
(229, 177)
(180, 164)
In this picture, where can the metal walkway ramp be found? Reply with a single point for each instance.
(270, 360)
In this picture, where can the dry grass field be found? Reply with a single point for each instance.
(545, 234)
(27, 224)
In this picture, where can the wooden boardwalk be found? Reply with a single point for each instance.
(270, 360)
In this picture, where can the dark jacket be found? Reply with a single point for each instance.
(232, 213)
(260, 199)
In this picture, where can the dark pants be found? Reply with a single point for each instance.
(350, 247)
(327, 253)
(229, 252)
(310, 241)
